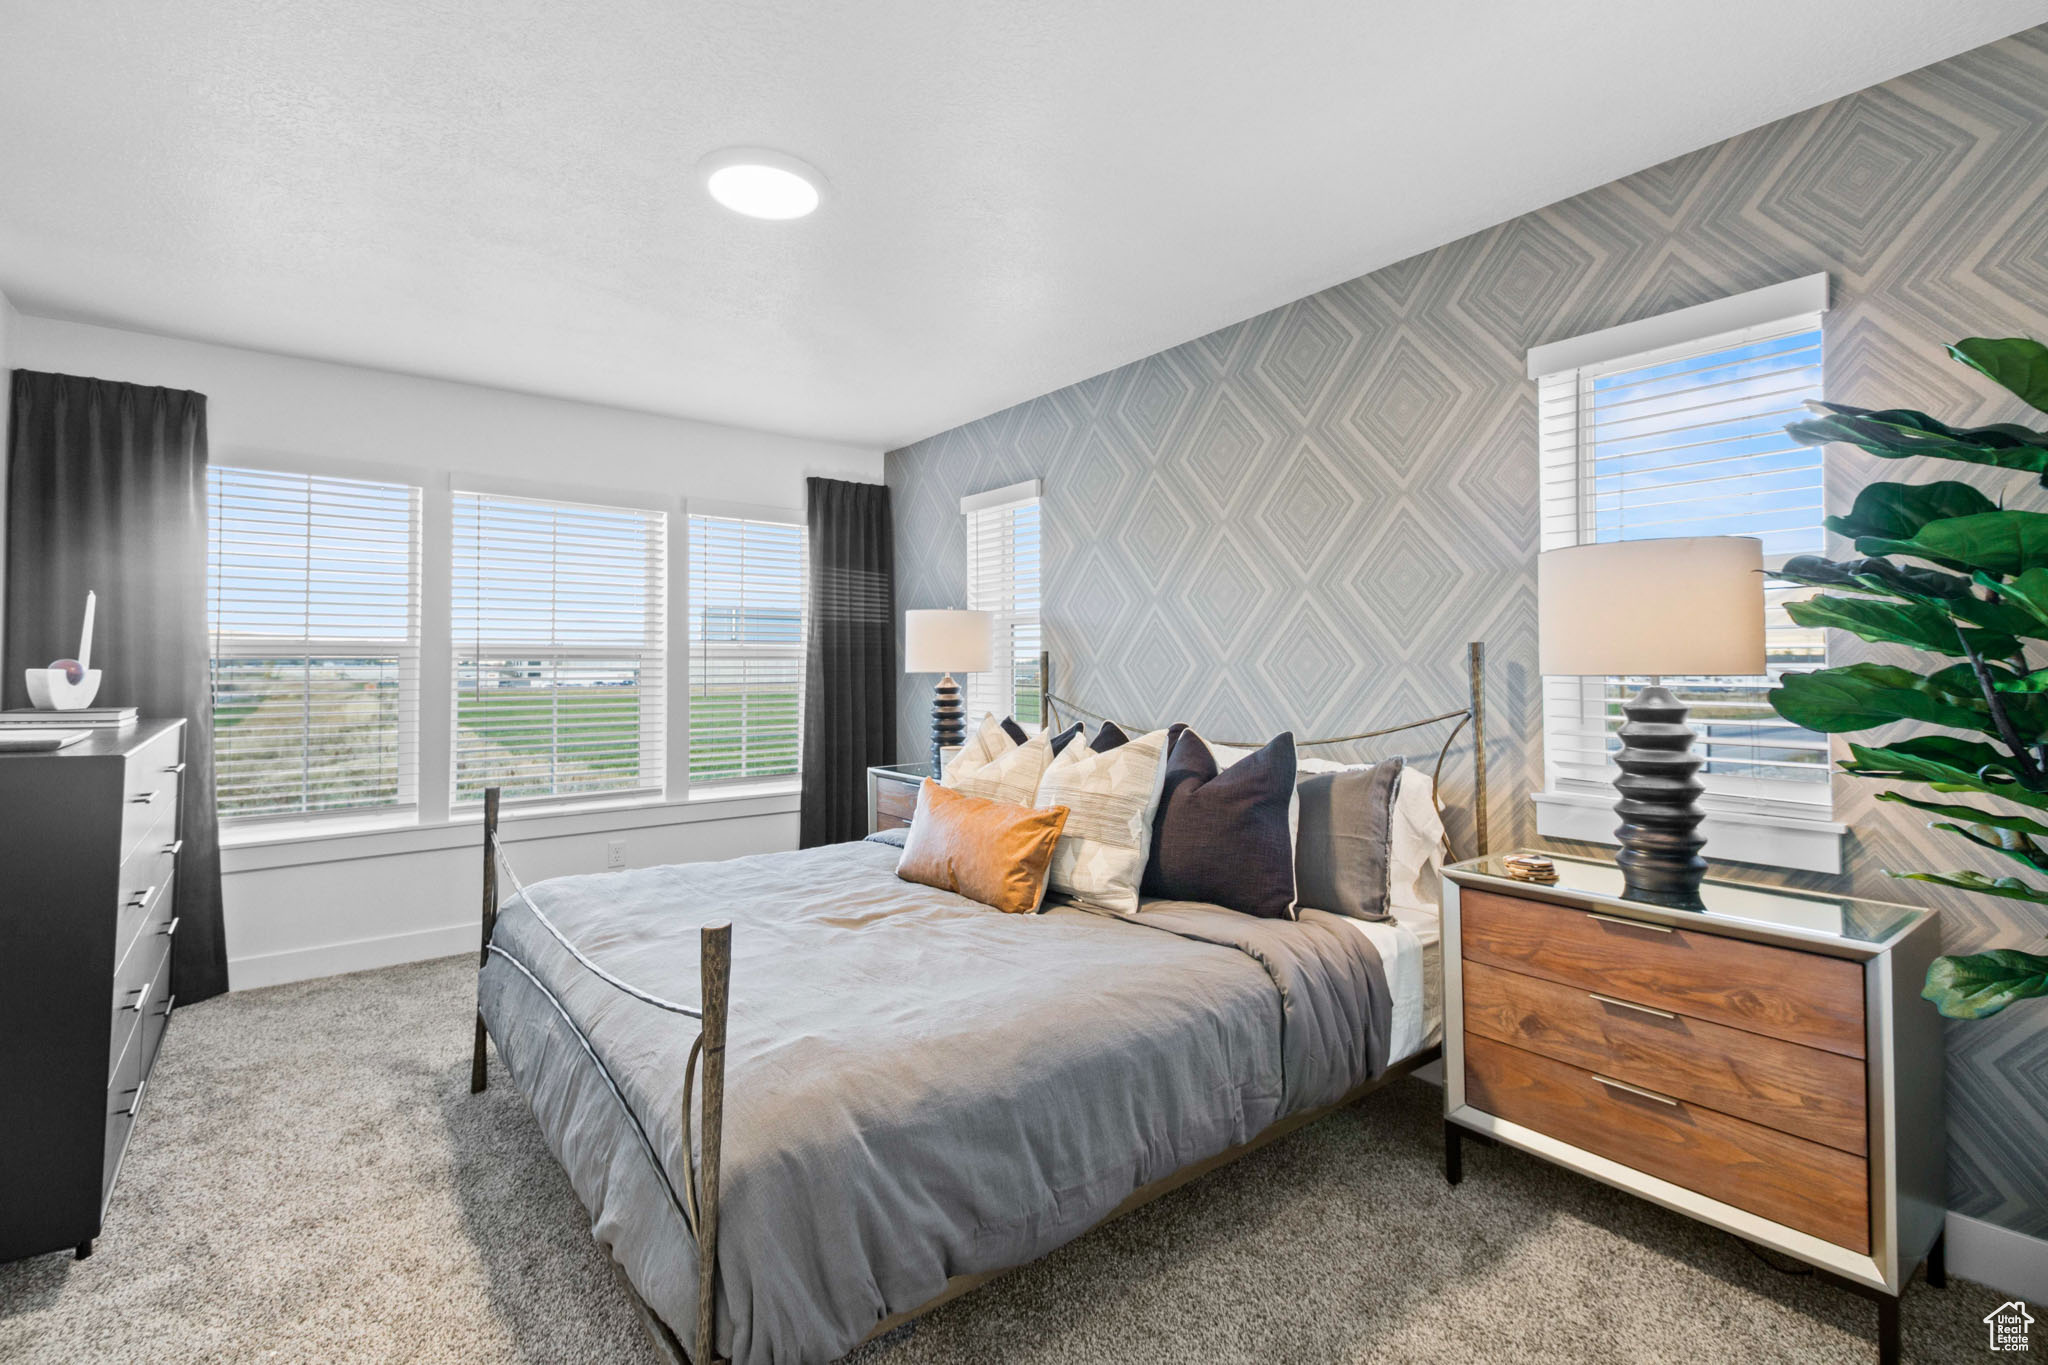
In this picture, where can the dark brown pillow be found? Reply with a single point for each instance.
(1221, 835)
(1110, 736)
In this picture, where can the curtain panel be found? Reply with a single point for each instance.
(106, 490)
(850, 658)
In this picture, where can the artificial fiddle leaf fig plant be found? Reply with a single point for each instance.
(1946, 571)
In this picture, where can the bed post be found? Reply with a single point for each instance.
(478, 1074)
(1476, 653)
(715, 955)
(1048, 714)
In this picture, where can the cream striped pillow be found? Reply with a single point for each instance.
(1110, 799)
(995, 767)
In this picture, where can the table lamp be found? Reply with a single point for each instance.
(946, 642)
(1690, 606)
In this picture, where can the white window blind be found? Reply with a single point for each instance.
(1689, 440)
(1002, 579)
(559, 643)
(313, 606)
(746, 648)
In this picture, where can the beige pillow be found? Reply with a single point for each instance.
(1110, 798)
(995, 767)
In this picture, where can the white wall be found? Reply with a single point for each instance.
(310, 907)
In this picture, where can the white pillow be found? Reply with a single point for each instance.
(1011, 777)
(1110, 799)
(1415, 869)
(989, 742)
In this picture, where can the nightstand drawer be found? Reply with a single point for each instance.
(1805, 1091)
(1801, 1184)
(895, 802)
(1804, 998)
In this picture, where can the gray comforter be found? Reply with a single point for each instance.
(917, 1086)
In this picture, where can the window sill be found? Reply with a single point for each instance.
(1804, 844)
(301, 845)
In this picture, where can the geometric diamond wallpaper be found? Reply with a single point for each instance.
(1299, 521)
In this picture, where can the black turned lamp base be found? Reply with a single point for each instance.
(1659, 807)
(949, 720)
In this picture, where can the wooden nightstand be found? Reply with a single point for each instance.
(1765, 1066)
(892, 794)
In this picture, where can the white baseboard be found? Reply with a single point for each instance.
(358, 955)
(2010, 1262)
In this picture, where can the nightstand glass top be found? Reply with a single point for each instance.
(1800, 912)
(909, 772)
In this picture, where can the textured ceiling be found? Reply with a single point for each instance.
(1023, 194)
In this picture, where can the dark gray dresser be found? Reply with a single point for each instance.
(89, 844)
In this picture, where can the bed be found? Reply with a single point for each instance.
(885, 1094)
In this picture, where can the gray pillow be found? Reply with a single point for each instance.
(1344, 840)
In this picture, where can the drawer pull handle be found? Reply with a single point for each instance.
(142, 799)
(134, 1105)
(141, 899)
(173, 846)
(170, 1003)
(175, 768)
(1613, 1084)
(1630, 923)
(1631, 1005)
(141, 995)
(172, 927)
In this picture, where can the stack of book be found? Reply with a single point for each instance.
(31, 731)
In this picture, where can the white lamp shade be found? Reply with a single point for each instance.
(946, 641)
(1688, 605)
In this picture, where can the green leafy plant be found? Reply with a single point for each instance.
(1945, 570)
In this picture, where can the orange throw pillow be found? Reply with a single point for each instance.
(989, 851)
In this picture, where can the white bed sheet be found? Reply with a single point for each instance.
(1411, 947)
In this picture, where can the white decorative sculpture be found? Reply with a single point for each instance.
(68, 684)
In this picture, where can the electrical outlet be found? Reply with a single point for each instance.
(615, 855)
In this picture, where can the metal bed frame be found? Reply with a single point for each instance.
(698, 1199)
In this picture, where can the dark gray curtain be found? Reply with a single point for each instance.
(106, 490)
(850, 661)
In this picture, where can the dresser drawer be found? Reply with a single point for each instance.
(1804, 1185)
(140, 980)
(151, 792)
(1795, 1089)
(895, 803)
(1804, 998)
(145, 904)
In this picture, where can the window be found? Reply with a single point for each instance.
(1002, 579)
(1686, 438)
(313, 605)
(746, 649)
(557, 622)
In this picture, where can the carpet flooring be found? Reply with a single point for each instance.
(311, 1180)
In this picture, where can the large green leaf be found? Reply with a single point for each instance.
(1946, 763)
(1896, 510)
(2005, 542)
(2016, 363)
(1984, 983)
(1918, 624)
(1898, 434)
(2004, 842)
(1969, 814)
(1878, 576)
(1864, 696)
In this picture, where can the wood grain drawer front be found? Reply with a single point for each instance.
(894, 800)
(1804, 1185)
(1801, 1090)
(1800, 997)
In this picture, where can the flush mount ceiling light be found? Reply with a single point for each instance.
(762, 184)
